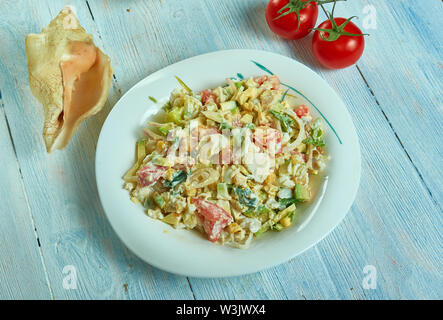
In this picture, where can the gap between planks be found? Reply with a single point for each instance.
(371, 91)
(115, 81)
(398, 138)
(40, 251)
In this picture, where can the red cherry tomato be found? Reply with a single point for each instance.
(342, 52)
(287, 26)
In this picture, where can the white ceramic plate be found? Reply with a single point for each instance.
(187, 252)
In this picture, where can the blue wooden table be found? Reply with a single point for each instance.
(53, 228)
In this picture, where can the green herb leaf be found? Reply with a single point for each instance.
(284, 203)
(316, 136)
(224, 125)
(176, 179)
(159, 201)
(285, 120)
(245, 197)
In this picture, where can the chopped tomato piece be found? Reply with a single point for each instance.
(302, 111)
(261, 79)
(208, 96)
(275, 82)
(149, 174)
(213, 217)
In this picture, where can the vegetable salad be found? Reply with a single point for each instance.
(232, 162)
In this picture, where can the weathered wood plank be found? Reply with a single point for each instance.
(394, 224)
(153, 35)
(22, 274)
(403, 68)
(61, 186)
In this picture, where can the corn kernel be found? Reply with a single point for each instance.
(135, 200)
(270, 179)
(233, 228)
(161, 145)
(285, 222)
(169, 174)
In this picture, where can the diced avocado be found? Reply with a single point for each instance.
(164, 130)
(262, 210)
(247, 118)
(149, 204)
(213, 115)
(192, 106)
(274, 223)
(225, 125)
(172, 218)
(228, 105)
(238, 84)
(250, 213)
(301, 193)
(265, 227)
(261, 213)
(159, 201)
(175, 115)
(250, 126)
(235, 110)
(222, 191)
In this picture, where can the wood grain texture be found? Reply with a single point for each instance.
(240, 25)
(61, 186)
(406, 80)
(22, 273)
(393, 95)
